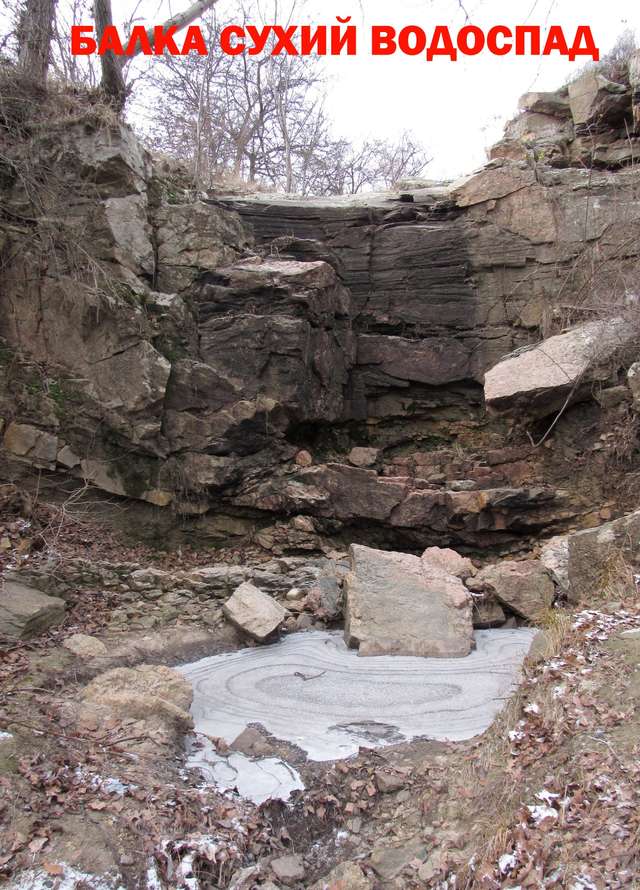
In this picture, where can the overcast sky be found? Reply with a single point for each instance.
(456, 108)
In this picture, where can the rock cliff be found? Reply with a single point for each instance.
(218, 358)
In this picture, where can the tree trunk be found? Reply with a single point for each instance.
(112, 77)
(112, 66)
(35, 33)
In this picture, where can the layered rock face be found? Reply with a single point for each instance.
(591, 122)
(287, 370)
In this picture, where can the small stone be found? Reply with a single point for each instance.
(304, 621)
(363, 457)
(303, 524)
(450, 561)
(304, 459)
(295, 594)
(288, 869)
(252, 743)
(254, 612)
(387, 782)
(245, 879)
(462, 485)
(346, 876)
(85, 646)
(68, 458)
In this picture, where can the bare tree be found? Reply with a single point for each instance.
(35, 31)
(262, 120)
(113, 82)
(112, 77)
(67, 66)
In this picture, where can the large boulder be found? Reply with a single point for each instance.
(546, 136)
(601, 557)
(597, 103)
(555, 103)
(254, 612)
(151, 701)
(399, 604)
(540, 379)
(25, 612)
(525, 586)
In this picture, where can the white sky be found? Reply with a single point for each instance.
(456, 109)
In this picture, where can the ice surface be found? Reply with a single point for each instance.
(256, 778)
(312, 691)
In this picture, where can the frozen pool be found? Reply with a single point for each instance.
(311, 690)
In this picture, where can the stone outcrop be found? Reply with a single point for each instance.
(398, 604)
(295, 371)
(36, 446)
(590, 122)
(254, 612)
(25, 612)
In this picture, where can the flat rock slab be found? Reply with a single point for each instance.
(25, 612)
(398, 604)
(254, 612)
(540, 378)
(313, 691)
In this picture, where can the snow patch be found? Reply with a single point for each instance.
(38, 879)
(540, 812)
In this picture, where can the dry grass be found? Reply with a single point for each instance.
(502, 797)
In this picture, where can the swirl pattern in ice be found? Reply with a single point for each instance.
(312, 691)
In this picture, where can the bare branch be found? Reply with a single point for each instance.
(179, 21)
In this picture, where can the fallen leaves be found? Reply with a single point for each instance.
(581, 829)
